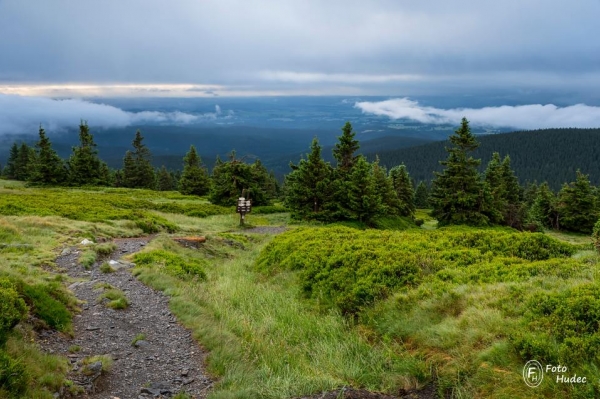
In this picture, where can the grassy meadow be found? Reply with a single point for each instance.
(316, 307)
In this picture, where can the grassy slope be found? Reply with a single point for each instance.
(264, 337)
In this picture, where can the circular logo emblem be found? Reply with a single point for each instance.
(533, 373)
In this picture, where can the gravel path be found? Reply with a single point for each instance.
(165, 362)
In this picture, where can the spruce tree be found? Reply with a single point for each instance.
(577, 205)
(137, 166)
(85, 167)
(344, 153)
(494, 179)
(544, 208)
(308, 186)
(49, 168)
(26, 159)
(229, 179)
(345, 149)
(164, 180)
(404, 189)
(515, 210)
(458, 195)
(384, 186)
(364, 202)
(422, 196)
(194, 179)
(10, 170)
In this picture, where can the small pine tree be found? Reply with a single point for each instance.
(544, 208)
(49, 168)
(458, 194)
(422, 196)
(308, 186)
(385, 190)
(494, 179)
(10, 170)
(25, 162)
(137, 165)
(194, 179)
(363, 201)
(577, 205)
(345, 149)
(515, 210)
(85, 167)
(404, 189)
(164, 180)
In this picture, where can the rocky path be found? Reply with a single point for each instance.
(165, 362)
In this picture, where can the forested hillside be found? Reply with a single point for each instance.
(551, 155)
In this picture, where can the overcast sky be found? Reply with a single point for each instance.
(524, 63)
(228, 47)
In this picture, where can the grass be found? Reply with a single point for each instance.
(264, 342)
(114, 298)
(106, 361)
(469, 317)
(105, 267)
(139, 337)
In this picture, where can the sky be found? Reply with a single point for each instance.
(522, 50)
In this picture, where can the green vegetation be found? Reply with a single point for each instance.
(106, 361)
(354, 191)
(114, 298)
(105, 267)
(139, 337)
(137, 166)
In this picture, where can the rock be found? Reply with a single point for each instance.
(65, 252)
(185, 372)
(92, 328)
(141, 344)
(85, 241)
(95, 367)
(151, 391)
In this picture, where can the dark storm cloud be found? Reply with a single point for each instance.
(334, 47)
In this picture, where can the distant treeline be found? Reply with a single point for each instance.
(550, 155)
(40, 165)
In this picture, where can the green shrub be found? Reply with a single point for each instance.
(394, 223)
(596, 235)
(12, 308)
(88, 258)
(269, 209)
(116, 298)
(105, 249)
(106, 268)
(350, 269)
(172, 263)
(419, 222)
(563, 326)
(46, 307)
(13, 376)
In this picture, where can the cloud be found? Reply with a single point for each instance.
(532, 116)
(19, 114)
(313, 77)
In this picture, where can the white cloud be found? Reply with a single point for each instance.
(532, 116)
(20, 114)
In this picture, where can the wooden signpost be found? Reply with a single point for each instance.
(244, 206)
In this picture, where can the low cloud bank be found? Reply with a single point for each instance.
(19, 114)
(533, 116)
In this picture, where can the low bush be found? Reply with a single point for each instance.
(172, 263)
(115, 298)
(13, 376)
(12, 308)
(44, 302)
(269, 209)
(596, 236)
(364, 266)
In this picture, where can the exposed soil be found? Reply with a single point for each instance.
(165, 362)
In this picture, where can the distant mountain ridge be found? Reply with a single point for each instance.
(551, 155)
